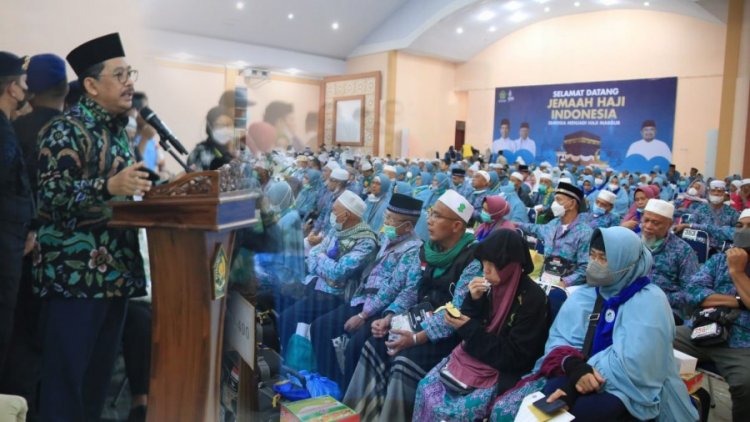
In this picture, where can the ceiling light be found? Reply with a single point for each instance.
(542, 1)
(518, 17)
(486, 15)
(335, 26)
(240, 5)
(608, 2)
(240, 63)
(576, 4)
(492, 29)
(647, 4)
(292, 71)
(183, 56)
(513, 5)
(459, 30)
(290, 16)
(546, 9)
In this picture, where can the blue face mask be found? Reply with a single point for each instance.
(390, 232)
(485, 216)
(597, 210)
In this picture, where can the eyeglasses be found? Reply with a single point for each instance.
(123, 75)
(435, 215)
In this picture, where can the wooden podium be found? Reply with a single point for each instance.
(190, 225)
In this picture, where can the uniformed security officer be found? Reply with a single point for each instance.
(16, 204)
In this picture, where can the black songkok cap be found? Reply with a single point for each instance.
(569, 190)
(405, 205)
(94, 52)
(12, 65)
(458, 172)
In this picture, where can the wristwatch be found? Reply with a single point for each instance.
(740, 303)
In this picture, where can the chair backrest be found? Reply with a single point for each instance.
(685, 218)
(699, 241)
(532, 215)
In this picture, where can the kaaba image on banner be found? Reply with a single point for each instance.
(581, 148)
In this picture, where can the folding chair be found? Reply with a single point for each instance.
(699, 241)
(711, 372)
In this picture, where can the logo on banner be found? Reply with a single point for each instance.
(505, 97)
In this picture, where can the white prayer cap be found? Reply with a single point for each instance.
(389, 168)
(544, 164)
(566, 180)
(661, 207)
(520, 160)
(717, 184)
(352, 202)
(332, 165)
(745, 213)
(457, 204)
(607, 196)
(495, 166)
(485, 175)
(517, 175)
(340, 175)
(543, 176)
(366, 166)
(302, 158)
(745, 182)
(474, 167)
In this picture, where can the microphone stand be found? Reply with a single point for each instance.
(165, 145)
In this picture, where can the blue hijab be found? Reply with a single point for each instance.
(376, 205)
(403, 188)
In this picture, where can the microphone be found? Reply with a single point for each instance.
(150, 117)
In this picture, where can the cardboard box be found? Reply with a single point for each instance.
(318, 409)
(687, 362)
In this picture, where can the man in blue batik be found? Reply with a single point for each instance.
(674, 260)
(480, 182)
(715, 218)
(335, 265)
(566, 238)
(724, 281)
(396, 267)
(601, 215)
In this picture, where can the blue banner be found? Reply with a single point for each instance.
(618, 124)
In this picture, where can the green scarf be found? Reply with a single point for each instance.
(441, 260)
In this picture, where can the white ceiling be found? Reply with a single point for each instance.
(426, 27)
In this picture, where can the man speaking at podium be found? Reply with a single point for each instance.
(86, 272)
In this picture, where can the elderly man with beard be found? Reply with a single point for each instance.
(674, 260)
(724, 281)
(86, 271)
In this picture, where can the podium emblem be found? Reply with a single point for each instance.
(220, 272)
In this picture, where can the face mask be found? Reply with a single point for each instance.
(306, 186)
(742, 238)
(222, 135)
(598, 181)
(557, 209)
(598, 275)
(715, 199)
(336, 225)
(485, 216)
(132, 124)
(390, 232)
(692, 192)
(597, 210)
(542, 189)
(613, 187)
(652, 244)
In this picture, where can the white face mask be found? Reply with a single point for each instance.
(222, 135)
(613, 187)
(715, 199)
(598, 181)
(692, 192)
(334, 222)
(557, 209)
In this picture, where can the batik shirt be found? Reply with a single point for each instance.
(476, 199)
(396, 267)
(204, 154)
(712, 278)
(80, 256)
(435, 326)
(674, 263)
(322, 224)
(599, 221)
(718, 224)
(571, 243)
(332, 264)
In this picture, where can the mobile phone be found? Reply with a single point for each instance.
(549, 408)
(152, 175)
